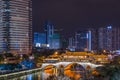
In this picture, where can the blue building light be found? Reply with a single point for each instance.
(109, 27)
(87, 35)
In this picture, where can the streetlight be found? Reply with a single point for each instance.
(104, 51)
(31, 57)
(21, 56)
(56, 53)
(92, 51)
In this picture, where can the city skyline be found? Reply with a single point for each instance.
(59, 40)
(75, 14)
(17, 29)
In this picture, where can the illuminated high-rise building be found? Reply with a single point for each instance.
(83, 40)
(71, 45)
(109, 38)
(105, 38)
(40, 40)
(71, 42)
(52, 38)
(94, 39)
(49, 28)
(16, 26)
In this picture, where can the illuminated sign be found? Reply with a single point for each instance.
(38, 45)
(42, 45)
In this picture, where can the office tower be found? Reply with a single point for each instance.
(52, 38)
(71, 42)
(94, 38)
(55, 41)
(83, 40)
(105, 38)
(116, 38)
(71, 45)
(109, 38)
(64, 43)
(40, 40)
(49, 28)
(16, 26)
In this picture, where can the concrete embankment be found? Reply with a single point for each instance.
(19, 73)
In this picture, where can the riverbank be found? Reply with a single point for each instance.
(18, 73)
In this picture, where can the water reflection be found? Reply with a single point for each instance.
(29, 77)
(45, 75)
(70, 72)
(75, 71)
(34, 76)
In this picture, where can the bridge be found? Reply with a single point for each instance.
(65, 64)
(69, 59)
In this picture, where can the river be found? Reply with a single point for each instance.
(70, 72)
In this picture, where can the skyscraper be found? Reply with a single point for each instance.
(56, 41)
(49, 28)
(94, 38)
(71, 45)
(109, 38)
(105, 38)
(52, 38)
(40, 40)
(71, 42)
(15, 26)
(83, 40)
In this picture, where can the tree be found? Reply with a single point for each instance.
(111, 70)
(1, 58)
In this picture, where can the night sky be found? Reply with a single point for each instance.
(73, 15)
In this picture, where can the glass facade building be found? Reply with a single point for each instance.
(39, 39)
(83, 40)
(109, 38)
(16, 26)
